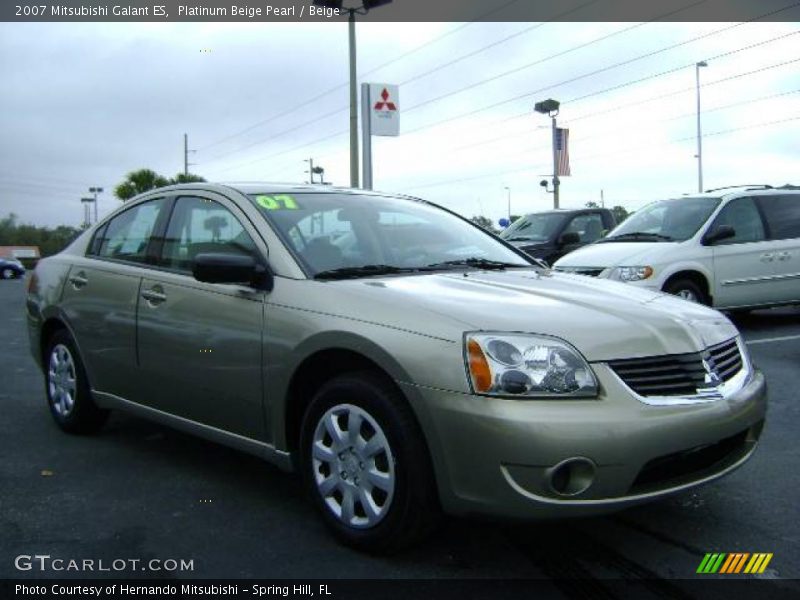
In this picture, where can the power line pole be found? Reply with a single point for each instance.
(186, 151)
(353, 102)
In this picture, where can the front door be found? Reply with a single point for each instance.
(200, 344)
(743, 264)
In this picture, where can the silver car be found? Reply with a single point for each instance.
(400, 358)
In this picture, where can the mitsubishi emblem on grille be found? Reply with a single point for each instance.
(711, 379)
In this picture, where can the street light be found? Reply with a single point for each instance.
(95, 191)
(508, 189)
(702, 63)
(365, 7)
(549, 107)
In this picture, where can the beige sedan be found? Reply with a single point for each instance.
(399, 357)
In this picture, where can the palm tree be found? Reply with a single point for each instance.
(137, 182)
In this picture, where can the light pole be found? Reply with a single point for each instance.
(508, 189)
(365, 7)
(95, 191)
(702, 63)
(87, 219)
(550, 108)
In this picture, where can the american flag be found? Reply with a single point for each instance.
(562, 152)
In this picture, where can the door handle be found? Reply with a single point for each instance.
(784, 256)
(154, 296)
(78, 280)
(768, 257)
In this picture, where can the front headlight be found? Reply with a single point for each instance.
(629, 274)
(528, 366)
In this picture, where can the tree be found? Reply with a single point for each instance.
(592, 204)
(137, 182)
(620, 213)
(186, 178)
(484, 222)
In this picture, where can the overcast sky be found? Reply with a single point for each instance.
(82, 104)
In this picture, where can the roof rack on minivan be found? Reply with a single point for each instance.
(747, 186)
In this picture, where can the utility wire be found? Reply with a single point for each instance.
(545, 59)
(605, 154)
(369, 72)
(598, 92)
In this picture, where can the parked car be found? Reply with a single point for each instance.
(400, 374)
(11, 268)
(551, 234)
(734, 248)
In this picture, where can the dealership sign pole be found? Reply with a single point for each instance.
(380, 115)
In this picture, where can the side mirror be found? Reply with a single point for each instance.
(719, 233)
(232, 268)
(569, 238)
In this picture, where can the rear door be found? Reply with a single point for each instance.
(200, 344)
(743, 264)
(782, 216)
(100, 296)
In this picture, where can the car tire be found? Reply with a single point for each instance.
(67, 387)
(688, 290)
(8, 273)
(366, 465)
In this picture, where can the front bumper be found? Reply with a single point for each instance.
(497, 457)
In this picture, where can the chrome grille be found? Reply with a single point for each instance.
(680, 374)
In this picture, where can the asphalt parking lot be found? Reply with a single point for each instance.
(140, 490)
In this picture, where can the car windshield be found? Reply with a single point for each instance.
(665, 221)
(342, 235)
(536, 227)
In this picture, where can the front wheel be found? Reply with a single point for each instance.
(366, 464)
(68, 392)
(8, 273)
(688, 290)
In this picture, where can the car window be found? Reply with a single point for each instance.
(537, 227)
(333, 231)
(783, 216)
(666, 220)
(127, 235)
(199, 225)
(741, 214)
(589, 227)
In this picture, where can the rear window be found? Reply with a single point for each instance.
(782, 214)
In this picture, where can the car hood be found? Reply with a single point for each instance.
(605, 320)
(616, 254)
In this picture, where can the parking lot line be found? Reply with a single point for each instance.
(774, 339)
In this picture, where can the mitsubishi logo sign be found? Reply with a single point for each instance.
(384, 109)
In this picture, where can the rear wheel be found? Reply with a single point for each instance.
(8, 273)
(68, 392)
(688, 290)
(366, 464)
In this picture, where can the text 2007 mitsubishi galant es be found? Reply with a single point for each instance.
(402, 359)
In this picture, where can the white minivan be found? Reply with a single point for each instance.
(733, 248)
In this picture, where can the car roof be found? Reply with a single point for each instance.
(254, 187)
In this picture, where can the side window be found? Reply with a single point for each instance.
(97, 240)
(743, 216)
(589, 227)
(126, 236)
(198, 225)
(783, 216)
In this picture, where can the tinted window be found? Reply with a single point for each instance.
(741, 214)
(198, 225)
(127, 235)
(588, 227)
(783, 216)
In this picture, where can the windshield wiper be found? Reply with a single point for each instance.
(480, 263)
(363, 271)
(638, 236)
(519, 239)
